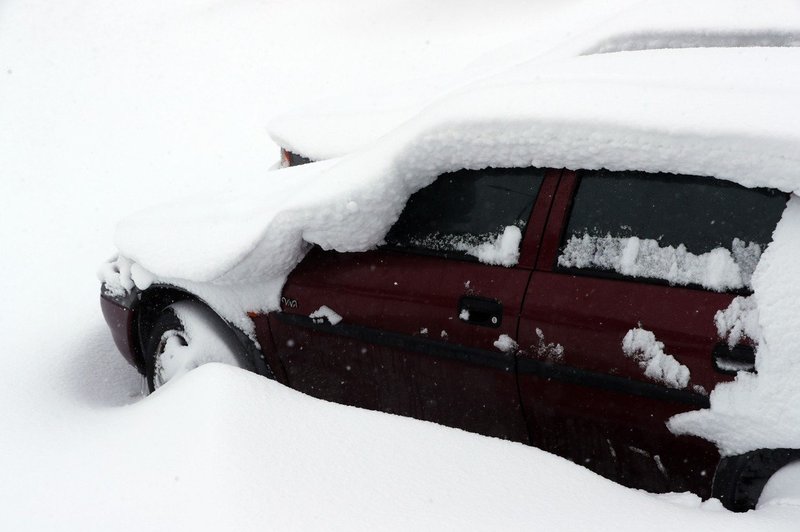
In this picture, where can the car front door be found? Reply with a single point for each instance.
(618, 328)
(411, 328)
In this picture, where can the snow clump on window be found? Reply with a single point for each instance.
(641, 345)
(738, 321)
(719, 269)
(494, 249)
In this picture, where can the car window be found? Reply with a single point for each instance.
(463, 210)
(684, 230)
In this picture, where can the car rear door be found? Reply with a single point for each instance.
(635, 259)
(420, 316)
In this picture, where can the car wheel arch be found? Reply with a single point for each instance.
(740, 479)
(155, 299)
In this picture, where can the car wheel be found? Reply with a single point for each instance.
(740, 481)
(783, 488)
(184, 336)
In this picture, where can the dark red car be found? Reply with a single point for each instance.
(534, 352)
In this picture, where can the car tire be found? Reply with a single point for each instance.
(184, 336)
(739, 480)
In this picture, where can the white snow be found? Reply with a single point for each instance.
(761, 410)
(720, 269)
(739, 321)
(502, 250)
(641, 345)
(506, 344)
(345, 122)
(326, 313)
(108, 107)
(204, 339)
(551, 351)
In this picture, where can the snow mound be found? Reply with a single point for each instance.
(362, 470)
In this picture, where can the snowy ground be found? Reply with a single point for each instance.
(108, 106)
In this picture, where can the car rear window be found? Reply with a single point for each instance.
(463, 210)
(683, 230)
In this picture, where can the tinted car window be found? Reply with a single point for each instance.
(684, 230)
(464, 209)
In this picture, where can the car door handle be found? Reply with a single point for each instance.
(731, 360)
(480, 311)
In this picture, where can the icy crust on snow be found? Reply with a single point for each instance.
(339, 125)
(720, 269)
(761, 410)
(641, 345)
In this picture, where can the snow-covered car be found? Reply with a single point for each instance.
(580, 258)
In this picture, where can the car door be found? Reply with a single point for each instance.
(630, 260)
(419, 317)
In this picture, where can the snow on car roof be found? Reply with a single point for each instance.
(344, 123)
(728, 112)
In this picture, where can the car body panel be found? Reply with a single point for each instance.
(120, 319)
(402, 345)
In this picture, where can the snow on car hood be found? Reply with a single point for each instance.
(344, 123)
(730, 113)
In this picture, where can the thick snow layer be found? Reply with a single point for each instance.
(641, 345)
(761, 410)
(720, 269)
(340, 124)
(731, 113)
